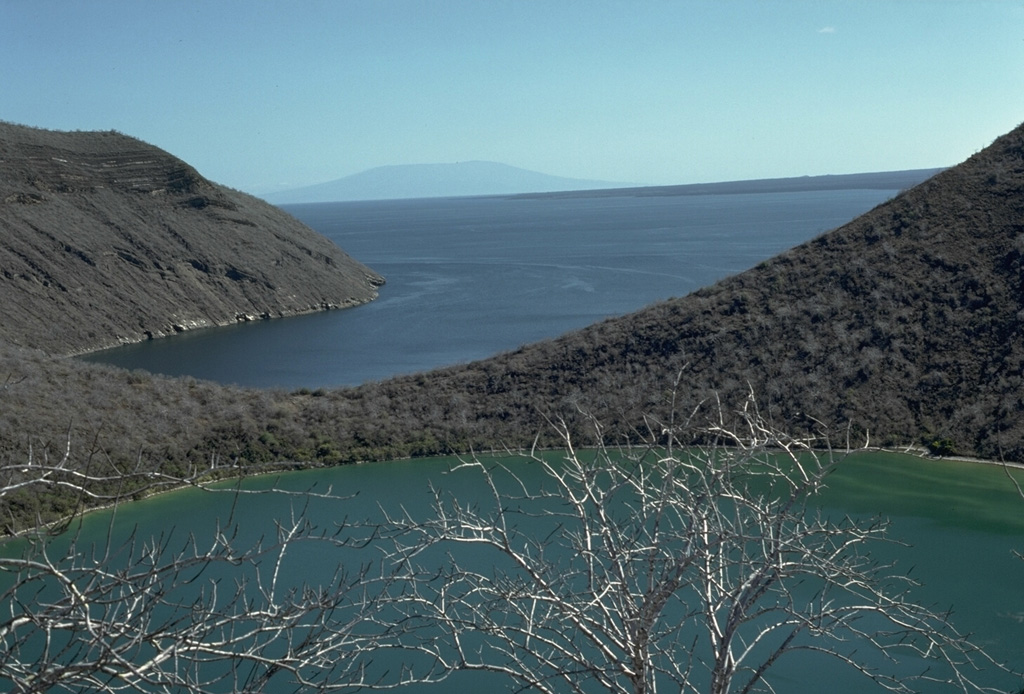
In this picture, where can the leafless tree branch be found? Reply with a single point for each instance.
(691, 567)
(172, 613)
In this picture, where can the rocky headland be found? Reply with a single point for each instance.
(109, 240)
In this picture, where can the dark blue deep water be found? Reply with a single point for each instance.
(470, 277)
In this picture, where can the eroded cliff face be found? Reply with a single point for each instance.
(105, 239)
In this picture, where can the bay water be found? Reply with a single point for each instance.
(470, 277)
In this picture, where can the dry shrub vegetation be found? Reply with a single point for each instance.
(695, 562)
(900, 328)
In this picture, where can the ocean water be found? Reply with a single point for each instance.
(470, 277)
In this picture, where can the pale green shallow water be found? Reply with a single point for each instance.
(961, 523)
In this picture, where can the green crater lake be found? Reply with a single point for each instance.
(957, 527)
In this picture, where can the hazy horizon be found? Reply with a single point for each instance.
(476, 178)
(437, 179)
(273, 95)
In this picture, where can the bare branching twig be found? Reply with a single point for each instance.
(691, 568)
(147, 614)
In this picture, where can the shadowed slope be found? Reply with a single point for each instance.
(105, 239)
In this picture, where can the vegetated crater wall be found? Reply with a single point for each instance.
(903, 326)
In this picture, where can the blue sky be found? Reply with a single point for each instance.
(265, 95)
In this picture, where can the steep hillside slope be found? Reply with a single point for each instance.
(106, 239)
(904, 326)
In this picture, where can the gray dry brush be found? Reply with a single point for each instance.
(673, 568)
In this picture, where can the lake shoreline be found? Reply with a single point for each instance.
(284, 468)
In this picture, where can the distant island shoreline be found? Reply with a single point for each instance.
(885, 180)
(493, 180)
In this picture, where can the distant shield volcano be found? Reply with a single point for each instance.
(435, 181)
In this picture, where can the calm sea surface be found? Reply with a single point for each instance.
(471, 277)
